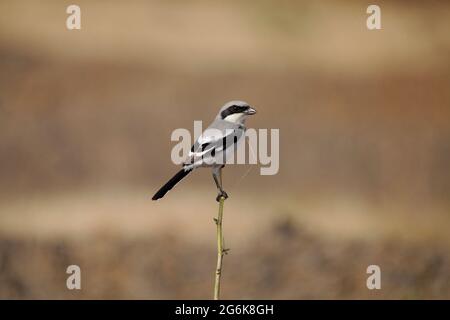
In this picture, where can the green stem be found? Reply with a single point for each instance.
(220, 250)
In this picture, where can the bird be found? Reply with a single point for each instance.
(214, 146)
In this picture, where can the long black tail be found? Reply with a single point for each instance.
(171, 183)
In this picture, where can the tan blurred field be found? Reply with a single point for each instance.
(85, 124)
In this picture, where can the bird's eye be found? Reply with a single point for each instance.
(233, 109)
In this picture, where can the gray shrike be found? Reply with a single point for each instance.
(214, 146)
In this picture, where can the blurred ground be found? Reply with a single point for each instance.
(130, 248)
(85, 123)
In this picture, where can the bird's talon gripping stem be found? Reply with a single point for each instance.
(220, 195)
(225, 251)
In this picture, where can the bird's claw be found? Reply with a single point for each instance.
(220, 195)
(225, 251)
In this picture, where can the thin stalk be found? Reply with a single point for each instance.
(220, 250)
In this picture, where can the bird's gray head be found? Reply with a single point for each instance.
(235, 111)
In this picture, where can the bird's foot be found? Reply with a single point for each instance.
(220, 195)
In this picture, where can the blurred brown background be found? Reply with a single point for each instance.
(85, 124)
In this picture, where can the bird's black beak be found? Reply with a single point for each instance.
(250, 111)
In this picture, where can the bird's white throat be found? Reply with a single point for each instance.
(236, 118)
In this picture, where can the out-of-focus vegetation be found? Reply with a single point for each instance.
(85, 124)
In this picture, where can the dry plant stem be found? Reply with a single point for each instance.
(220, 250)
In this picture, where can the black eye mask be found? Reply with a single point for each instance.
(233, 109)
